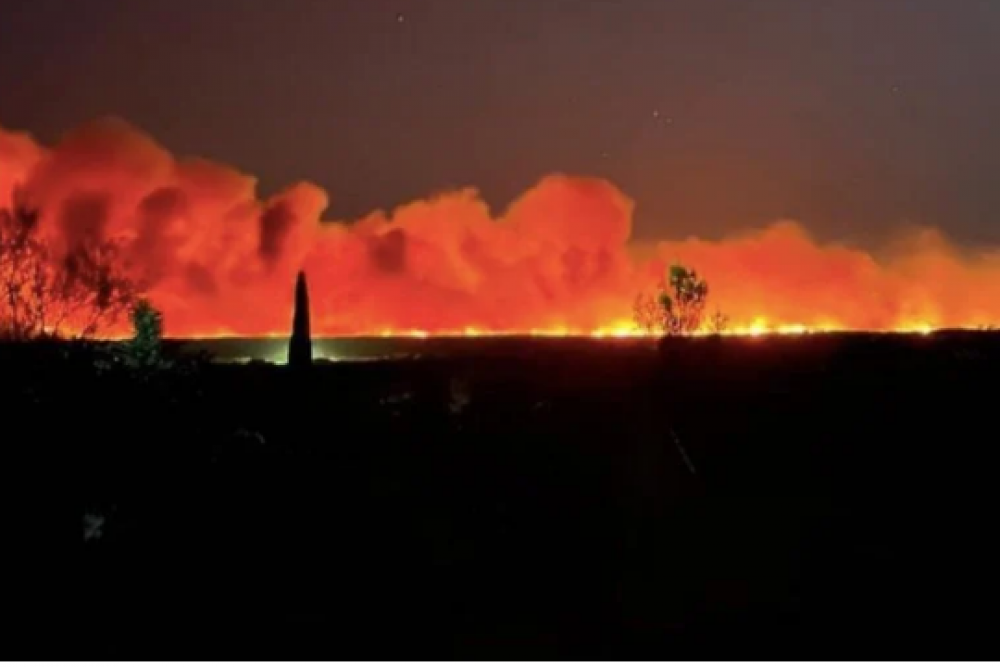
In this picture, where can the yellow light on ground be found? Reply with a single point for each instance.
(792, 330)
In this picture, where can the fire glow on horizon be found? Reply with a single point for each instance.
(757, 329)
(559, 261)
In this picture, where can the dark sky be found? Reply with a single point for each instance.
(855, 116)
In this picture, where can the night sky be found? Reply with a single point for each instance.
(854, 116)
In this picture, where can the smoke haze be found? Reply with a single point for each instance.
(217, 259)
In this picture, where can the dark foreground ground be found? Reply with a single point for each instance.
(827, 497)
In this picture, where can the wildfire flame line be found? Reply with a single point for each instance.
(755, 329)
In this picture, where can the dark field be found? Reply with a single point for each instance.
(275, 350)
(814, 497)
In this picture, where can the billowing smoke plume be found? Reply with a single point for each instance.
(216, 259)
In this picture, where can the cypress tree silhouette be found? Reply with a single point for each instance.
(300, 345)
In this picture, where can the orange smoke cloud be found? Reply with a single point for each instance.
(217, 259)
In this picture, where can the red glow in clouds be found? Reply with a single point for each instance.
(219, 261)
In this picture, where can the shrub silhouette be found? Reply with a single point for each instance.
(145, 348)
(678, 306)
(684, 309)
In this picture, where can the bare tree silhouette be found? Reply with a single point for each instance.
(75, 293)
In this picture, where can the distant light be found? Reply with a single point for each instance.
(792, 329)
(758, 327)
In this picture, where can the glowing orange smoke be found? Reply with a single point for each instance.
(558, 261)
